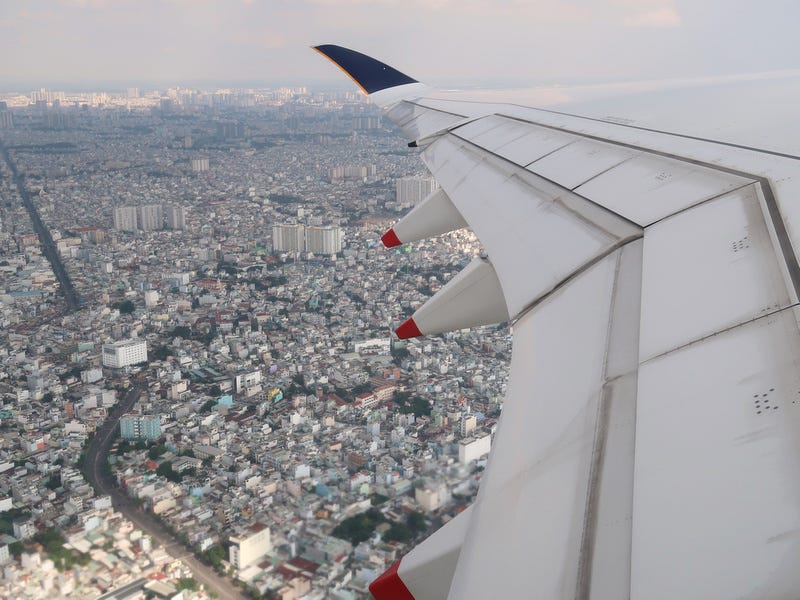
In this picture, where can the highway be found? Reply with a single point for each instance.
(45, 239)
(104, 484)
(129, 589)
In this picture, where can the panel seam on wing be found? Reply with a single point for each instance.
(624, 125)
(572, 276)
(719, 332)
(775, 216)
(548, 180)
(702, 202)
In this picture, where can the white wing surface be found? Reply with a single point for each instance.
(649, 445)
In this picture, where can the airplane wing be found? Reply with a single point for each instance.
(649, 445)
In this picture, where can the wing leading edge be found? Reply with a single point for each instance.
(648, 446)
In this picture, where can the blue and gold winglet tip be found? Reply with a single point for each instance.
(369, 74)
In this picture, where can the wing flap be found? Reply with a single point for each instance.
(706, 270)
(543, 489)
(716, 494)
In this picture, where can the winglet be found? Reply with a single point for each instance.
(368, 74)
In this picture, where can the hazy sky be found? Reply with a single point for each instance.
(445, 42)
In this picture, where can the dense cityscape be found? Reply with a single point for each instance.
(201, 392)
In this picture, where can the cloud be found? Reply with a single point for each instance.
(84, 3)
(662, 17)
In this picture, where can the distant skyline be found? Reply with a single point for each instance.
(443, 42)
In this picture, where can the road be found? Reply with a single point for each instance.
(45, 239)
(130, 589)
(104, 484)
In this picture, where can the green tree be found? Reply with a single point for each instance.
(416, 521)
(165, 470)
(358, 528)
(182, 331)
(420, 407)
(156, 451)
(378, 499)
(398, 532)
(126, 307)
(215, 555)
(187, 583)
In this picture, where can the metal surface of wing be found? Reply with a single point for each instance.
(649, 444)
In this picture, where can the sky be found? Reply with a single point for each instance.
(486, 43)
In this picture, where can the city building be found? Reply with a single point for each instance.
(199, 165)
(176, 217)
(247, 380)
(6, 119)
(151, 217)
(411, 190)
(473, 448)
(432, 497)
(140, 427)
(124, 353)
(468, 423)
(248, 547)
(288, 238)
(324, 240)
(23, 527)
(151, 298)
(125, 218)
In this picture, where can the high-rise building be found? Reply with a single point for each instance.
(23, 527)
(199, 165)
(6, 118)
(125, 218)
(151, 217)
(468, 424)
(140, 427)
(176, 217)
(253, 543)
(247, 379)
(470, 449)
(288, 238)
(124, 353)
(411, 190)
(315, 239)
(324, 240)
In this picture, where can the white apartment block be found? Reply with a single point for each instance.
(470, 449)
(151, 217)
(324, 240)
(176, 217)
(288, 238)
(125, 218)
(315, 239)
(246, 549)
(412, 190)
(124, 353)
